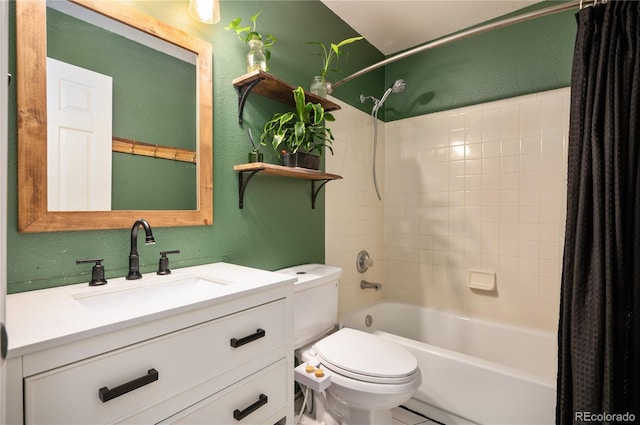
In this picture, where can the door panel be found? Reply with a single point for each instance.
(79, 109)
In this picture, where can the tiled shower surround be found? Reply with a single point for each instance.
(476, 188)
(354, 216)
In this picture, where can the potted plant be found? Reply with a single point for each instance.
(297, 135)
(259, 46)
(319, 84)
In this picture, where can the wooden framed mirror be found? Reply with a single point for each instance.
(34, 214)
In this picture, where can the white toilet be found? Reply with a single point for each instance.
(369, 375)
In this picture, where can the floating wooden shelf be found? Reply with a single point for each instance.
(270, 86)
(281, 170)
(278, 170)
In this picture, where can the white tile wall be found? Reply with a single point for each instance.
(480, 187)
(353, 213)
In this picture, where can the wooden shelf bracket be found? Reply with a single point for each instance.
(242, 184)
(316, 190)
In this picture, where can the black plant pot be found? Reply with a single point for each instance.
(302, 159)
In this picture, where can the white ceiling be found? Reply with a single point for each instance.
(395, 25)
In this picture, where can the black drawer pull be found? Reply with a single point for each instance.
(239, 415)
(235, 343)
(106, 394)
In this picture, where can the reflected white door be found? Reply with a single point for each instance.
(79, 109)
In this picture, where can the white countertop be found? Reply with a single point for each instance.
(48, 317)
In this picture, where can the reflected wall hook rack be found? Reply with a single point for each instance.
(134, 147)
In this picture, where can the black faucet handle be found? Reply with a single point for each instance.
(163, 264)
(97, 272)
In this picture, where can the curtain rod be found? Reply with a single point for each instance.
(468, 33)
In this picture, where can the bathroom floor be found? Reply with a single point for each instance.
(400, 417)
(405, 417)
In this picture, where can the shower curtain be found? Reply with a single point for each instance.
(599, 329)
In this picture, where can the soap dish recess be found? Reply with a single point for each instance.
(481, 280)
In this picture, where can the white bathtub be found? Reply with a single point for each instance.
(473, 371)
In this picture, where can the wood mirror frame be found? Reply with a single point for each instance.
(31, 52)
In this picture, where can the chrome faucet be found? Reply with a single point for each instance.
(134, 258)
(368, 285)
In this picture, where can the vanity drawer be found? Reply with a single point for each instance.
(254, 400)
(179, 361)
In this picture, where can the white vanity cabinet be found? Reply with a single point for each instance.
(224, 361)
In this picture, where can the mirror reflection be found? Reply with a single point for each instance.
(113, 88)
(143, 143)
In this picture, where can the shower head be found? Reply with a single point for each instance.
(398, 86)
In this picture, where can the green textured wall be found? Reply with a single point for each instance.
(519, 59)
(277, 226)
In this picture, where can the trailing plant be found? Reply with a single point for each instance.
(248, 33)
(301, 131)
(333, 52)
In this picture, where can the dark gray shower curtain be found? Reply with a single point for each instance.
(599, 330)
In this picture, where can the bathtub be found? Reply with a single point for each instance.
(473, 371)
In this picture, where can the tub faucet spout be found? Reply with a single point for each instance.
(134, 258)
(369, 285)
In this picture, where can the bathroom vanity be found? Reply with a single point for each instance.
(206, 344)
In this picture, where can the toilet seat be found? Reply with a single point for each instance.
(366, 357)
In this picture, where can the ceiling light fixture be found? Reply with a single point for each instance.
(207, 11)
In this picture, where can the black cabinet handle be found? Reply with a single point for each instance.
(106, 394)
(235, 343)
(239, 415)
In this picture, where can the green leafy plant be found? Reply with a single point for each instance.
(333, 52)
(248, 33)
(301, 131)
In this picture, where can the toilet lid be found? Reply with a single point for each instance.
(366, 357)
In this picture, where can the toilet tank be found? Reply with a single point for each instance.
(315, 301)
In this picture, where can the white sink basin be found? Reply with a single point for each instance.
(145, 298)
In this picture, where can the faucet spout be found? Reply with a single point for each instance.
(369, 285)
(134, 258)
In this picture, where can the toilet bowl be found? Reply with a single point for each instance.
(369, 375)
